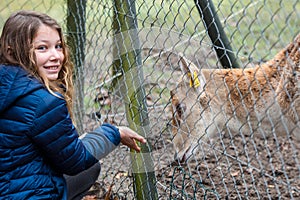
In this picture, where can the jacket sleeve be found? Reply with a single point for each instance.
(56, 138)
(102, 141)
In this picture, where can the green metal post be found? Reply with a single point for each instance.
(127, 61)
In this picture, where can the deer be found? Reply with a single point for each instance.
(263, 100)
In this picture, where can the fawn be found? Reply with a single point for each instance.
(263, 99)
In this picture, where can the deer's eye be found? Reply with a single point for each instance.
(180, 109)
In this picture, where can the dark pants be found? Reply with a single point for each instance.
(79, 184)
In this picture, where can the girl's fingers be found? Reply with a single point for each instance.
(129, 138)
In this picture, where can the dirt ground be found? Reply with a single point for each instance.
(231, 166)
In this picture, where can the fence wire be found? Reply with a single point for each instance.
(241, 161)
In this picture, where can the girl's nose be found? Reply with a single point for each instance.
(55, 54)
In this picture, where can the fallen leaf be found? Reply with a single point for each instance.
(89, 197)
(235, 173)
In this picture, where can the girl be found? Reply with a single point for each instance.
(41, 156)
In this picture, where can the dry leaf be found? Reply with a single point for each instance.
(235, 173)
(89, 197)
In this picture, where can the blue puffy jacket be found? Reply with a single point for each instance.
(38, 142)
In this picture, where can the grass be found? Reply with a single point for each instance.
(54, 8)
(256, 28)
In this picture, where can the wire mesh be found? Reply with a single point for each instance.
(231, 165)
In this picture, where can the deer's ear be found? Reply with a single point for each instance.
(190, 71)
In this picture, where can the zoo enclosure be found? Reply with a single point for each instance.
(230, 168)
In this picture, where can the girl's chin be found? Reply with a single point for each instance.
(52, 77)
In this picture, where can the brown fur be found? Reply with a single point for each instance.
(263, 99)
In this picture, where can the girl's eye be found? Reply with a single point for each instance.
(41, 48)
(58, 46)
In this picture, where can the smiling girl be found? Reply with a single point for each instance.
(48, 52)
(41, 156)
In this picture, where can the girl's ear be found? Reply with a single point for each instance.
(190, 71)
(9, 50)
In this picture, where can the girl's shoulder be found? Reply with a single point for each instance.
(19, 88)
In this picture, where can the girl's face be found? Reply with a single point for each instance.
(49, 52)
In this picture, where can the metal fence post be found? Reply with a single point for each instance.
(127, 61)
(216, 33)
(76, 40)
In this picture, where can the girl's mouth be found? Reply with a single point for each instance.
(51, 67)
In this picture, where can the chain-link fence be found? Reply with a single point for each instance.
(127, 62)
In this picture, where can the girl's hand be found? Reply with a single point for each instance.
(129, 138)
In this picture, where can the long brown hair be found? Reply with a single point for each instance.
(16, 48)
